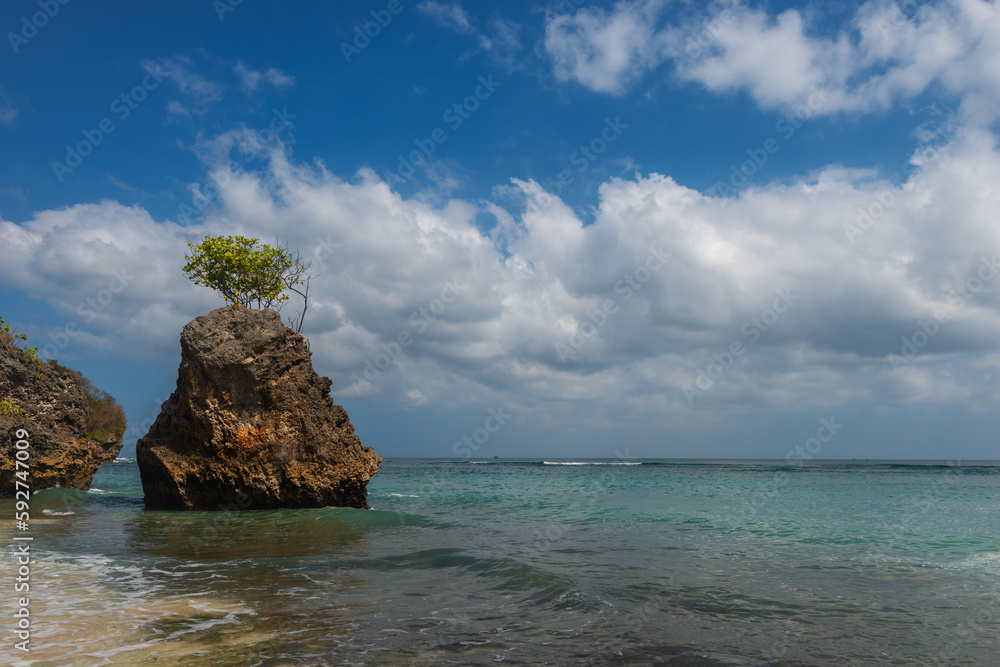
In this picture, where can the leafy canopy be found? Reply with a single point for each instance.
(244, 271)
(247, 272)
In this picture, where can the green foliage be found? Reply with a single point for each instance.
(105, 416)
(8, 406)
(244, 271)
(31, 353)
(9, 335)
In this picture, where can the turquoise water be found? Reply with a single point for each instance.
(527, 562)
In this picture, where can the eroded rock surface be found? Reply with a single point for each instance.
(251, 425)
(55, 416)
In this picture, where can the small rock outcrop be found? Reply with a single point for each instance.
(251, 425)
(54, 405)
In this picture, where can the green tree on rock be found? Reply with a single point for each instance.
(247, 272)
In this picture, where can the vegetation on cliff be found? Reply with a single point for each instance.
(10, 336)
(105, 416)
(74, 426)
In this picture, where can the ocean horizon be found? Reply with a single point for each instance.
(546, 561)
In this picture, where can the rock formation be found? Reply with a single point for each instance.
(251, 425)
(51, 403)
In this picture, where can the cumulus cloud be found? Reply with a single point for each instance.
(951, 44)
(886, 54)
(109, 270)
(771, 58)
(818, 280)
(604, 50)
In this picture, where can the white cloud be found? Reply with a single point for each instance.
(175, 108)
(102, 266)
(195, 88)
(506, 36)
(954, 44)
(198, 92)
(771, 58)
(251, 79)
(384, 266)
(449, 15)
(883, 56)
(604, 50)
(501, 41)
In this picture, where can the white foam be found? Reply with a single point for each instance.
(57, 513)
(592, 463)
(989, 562)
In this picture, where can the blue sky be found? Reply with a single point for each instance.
(676, 229)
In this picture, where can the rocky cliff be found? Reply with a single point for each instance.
(55, 406)
(251, 425)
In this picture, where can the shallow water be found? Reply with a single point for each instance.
(524, 562)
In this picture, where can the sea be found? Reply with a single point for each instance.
(528, 562)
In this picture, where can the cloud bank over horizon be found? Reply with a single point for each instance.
(637, 310)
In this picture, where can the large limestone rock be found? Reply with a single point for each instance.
(55, 416)
(251, 425)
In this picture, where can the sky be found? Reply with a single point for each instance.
(537, 229)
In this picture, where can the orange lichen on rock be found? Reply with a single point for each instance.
(250, 442)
